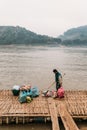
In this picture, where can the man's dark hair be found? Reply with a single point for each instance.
(54, 70)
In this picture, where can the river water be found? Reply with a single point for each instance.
(25, 64)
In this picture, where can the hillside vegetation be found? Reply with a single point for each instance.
(19, 35)
(75, 36)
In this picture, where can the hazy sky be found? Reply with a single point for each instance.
(49, 17)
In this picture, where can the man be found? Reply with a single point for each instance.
(58, 79)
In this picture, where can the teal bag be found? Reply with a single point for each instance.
(29, 93)
(35, 92)
(23, 95)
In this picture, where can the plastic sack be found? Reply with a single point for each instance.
(16, 90)
(35, 92)
(23, 95)
(60, 92)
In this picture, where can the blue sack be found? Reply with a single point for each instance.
(35, 92)
(23, 95)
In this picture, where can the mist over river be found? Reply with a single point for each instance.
(33, 65)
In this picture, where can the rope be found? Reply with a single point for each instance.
(47, 88)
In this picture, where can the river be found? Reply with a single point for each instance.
(26, 64)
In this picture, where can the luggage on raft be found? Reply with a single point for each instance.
(49, 93)
(16, 90)
(60, 92)
(23, 95)
(33, 92)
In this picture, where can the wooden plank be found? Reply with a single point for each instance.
(53, 113)
(0, 120)
(7, 120)
(67, 120)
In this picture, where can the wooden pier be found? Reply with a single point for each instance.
(73, 105)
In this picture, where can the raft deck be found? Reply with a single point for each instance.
(73, 105)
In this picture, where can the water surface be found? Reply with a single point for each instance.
(34, 65)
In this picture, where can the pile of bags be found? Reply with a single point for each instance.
(25, 93)
(59, 93)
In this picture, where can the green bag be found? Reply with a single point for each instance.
(16, 90)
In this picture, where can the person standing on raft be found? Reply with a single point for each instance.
(58, 78)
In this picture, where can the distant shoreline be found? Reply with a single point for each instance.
(20, 35)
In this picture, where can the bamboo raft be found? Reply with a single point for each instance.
(73, 105)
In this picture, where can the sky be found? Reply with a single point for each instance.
(45, 17)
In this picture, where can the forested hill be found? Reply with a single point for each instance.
(75, 36)
(19, 35)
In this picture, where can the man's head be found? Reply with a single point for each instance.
(55, 70)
